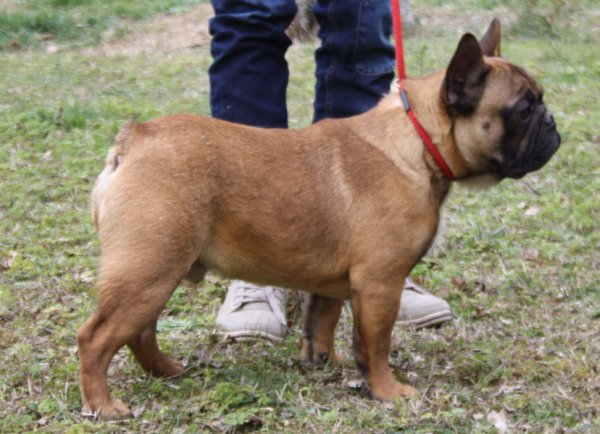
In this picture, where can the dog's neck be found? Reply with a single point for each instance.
(387, 128)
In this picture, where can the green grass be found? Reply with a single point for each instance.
(518, 264)
(27, 23)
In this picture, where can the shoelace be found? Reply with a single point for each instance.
(411, 285)
(250, 294)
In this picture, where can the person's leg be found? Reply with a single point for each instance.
(249, 73)
(248, 81)
(355, 62)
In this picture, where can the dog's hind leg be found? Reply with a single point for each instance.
(96, 349)
(320, 316)
(132, 295)
(145, 349)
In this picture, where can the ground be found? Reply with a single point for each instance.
(519, 263)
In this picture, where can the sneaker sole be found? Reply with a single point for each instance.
(427, 321)
(249, 335)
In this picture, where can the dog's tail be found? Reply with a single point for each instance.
(113, 161)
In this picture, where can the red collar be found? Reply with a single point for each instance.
(429, 145)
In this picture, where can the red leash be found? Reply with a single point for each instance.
(429, 145)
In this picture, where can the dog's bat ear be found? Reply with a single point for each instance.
(490, 42)
(465, 77)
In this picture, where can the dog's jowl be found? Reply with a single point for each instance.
(342, 209)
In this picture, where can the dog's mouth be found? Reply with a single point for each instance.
(536, 147)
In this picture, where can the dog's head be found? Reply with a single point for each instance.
(501, 125)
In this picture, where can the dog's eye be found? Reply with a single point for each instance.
(525, 114)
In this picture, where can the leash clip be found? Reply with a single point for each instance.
(399, 84)
(404, 98)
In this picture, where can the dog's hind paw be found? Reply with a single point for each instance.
(110, 410)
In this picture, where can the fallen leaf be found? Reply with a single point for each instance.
(85, 277)
(459, 282)
(443, 292)
(138, 411)
(499, 421)
(532, 211)
(6, 263)
(51, 48)
(531, 254)
(354, 384)
(388, 405)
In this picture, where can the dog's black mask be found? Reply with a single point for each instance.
(531, 137)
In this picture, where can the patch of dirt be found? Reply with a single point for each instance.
(187, 30)
(190, 29)
(162, 33)
(174, 32)
(451, 19)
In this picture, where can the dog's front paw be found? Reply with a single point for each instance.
(333, 358)
(110, 410)
(393, 390)
(318, 354)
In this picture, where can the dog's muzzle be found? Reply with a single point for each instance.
(538, 145)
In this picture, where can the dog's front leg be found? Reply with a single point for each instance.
(375, 308)
(320, 316)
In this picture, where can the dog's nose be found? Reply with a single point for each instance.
(548, 119)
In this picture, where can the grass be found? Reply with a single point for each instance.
(29, 23)
(518, 264)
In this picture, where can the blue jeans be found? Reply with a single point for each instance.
(249, 74)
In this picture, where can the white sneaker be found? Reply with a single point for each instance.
(419, 309)
(251, 311)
